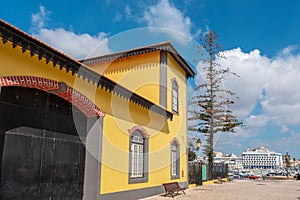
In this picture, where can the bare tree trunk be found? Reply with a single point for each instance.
(211, 130)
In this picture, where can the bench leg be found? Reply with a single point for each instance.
(171, 193)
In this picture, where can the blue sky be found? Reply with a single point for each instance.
(260, 39)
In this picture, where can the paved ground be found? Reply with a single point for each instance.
(242, 190)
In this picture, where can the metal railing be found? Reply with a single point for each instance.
(196, 175)
(219, 170)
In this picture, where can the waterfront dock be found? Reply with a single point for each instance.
(241, 190)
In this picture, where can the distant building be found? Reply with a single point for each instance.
(261, 158)
(297, 163)
(218, 154)
(233, 161)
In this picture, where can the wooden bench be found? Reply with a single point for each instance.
(220, 180)
(171, 188)
(229, 179)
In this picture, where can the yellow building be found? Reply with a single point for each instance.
(108, 127)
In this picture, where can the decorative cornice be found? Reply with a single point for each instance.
(9, 33)
(129, 69)
(164, 46)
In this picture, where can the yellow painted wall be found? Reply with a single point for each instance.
(121, 114)
(139, 73)
(178, 126)
(115, 160)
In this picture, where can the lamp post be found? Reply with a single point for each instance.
(198, 144)
(192, 148)
(287, 162)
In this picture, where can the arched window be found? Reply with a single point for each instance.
(175, 159)
(138, 159)
(137, 155)
(174, 96)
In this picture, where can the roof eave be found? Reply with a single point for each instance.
(165, 46)
(9, 33)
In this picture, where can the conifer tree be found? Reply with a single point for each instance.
(209, 109)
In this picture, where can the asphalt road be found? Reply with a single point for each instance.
(242, 190)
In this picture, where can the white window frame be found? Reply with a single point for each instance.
(138, 155)
(175, 106)
(175, 159)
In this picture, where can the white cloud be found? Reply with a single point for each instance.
(278, 78)
(284, 129)
(38, 19)
(287, 51)
(118, 17)
(244, 64)
(73, 44)
(128, 11)
(287, 143)
(256, 121)
(165, 15)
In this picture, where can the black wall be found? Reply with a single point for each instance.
(38, 109)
